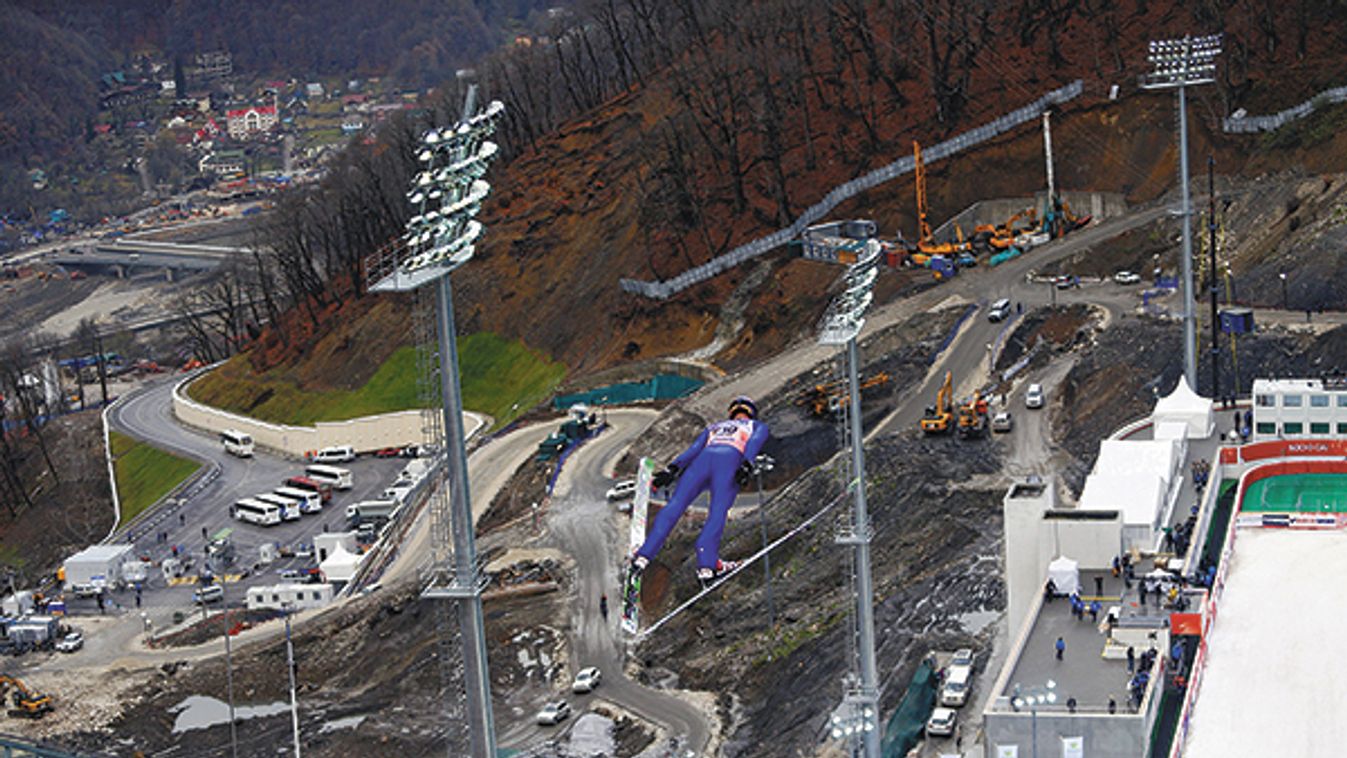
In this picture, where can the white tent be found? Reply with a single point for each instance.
(340, 565)
(1183, 404)
(1065, 574)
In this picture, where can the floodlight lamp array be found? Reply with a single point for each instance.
(845, 316)
(448, 192)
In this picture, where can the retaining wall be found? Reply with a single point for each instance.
(364, 434)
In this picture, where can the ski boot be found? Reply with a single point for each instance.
(709, 576)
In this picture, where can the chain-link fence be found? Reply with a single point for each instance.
(814, 213)
(1254, 124)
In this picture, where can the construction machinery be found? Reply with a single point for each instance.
(973, 417)
(827, 398)
(939, 416)
(927, 247)
(27, 703)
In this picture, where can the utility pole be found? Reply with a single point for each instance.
(290, 668)
(842, 326)
(1047, 154)
(446, 195)
(1215, 317)
(1179, 63)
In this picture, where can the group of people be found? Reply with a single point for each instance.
(1079, 608)
(1201, 469)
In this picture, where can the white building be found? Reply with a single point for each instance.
(1285, 408)
(293, 596)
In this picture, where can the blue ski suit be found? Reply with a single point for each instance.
(709, 463)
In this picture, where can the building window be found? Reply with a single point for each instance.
(1342, 427)
(1342, 401)
(1293, 427)
(1290, 401)
(275, 598)
(1265, 427)
(1318, 401)
(1266, 401)
(1317, 427)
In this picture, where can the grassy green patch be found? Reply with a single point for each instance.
(499, 377)
(145, 473)
(504, 378)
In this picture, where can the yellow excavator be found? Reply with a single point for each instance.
(973, 417)
(939, 416)
(27, 703)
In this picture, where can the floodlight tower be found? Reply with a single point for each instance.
(1177, 64)
(841, 326)
(446, 194)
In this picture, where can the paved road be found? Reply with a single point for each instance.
(981, 285)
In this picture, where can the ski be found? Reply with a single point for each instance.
(631, 579)
(749, 561)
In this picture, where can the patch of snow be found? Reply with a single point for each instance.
(349, 722)
(592, 734)
(202, 712)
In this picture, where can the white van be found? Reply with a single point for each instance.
(999, 310)
(211, 593)
(237, 443)
(957, 682)
(338, 454)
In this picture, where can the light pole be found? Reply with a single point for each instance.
(841, 325)
(1282, 275)
(446, 196)
(1034, 697)
(762, 464)
(1177, 64)
(290, 669)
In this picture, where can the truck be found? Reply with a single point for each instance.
(96, 568)
(369, 510)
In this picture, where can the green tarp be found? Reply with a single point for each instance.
(660, 387)
(906, 724)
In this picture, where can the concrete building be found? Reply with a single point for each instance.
(293, 596)
(1091, 701)
(1306, 408)
(246, 122)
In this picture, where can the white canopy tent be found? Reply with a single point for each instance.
(340, 565)
(1183, 404)
(1065, 575)
(1137, 478)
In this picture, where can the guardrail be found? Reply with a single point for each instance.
(1254, 124)
(662, 290)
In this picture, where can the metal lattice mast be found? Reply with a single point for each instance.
(1179, 63)
(858, 717)
(447, 194)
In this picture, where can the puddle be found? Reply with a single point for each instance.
(348, 722)
(976, 621)
(202, 712)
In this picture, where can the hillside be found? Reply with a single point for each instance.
(611, 194)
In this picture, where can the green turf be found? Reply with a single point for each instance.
(1297, 493)
(145, 474)
(499, 377)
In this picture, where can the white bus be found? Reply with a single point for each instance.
(237, 443)
(337, 478)
(309, 501)
(255, 512)
(289, 508)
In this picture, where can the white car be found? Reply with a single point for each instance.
(622, 490)
(1002, 422)
(962, 657)
(70, 643)
(941, 722)
(1034, 397)
(587, 680)
(1127, 277)
(554, 713)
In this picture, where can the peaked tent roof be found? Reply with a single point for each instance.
(1183, 404)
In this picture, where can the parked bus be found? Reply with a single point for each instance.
(237, 443)
(309, 500)
(305, 483)
(256, 512)
(289, 508)
(337, 478)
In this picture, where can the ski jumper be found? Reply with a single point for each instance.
(709, 464)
